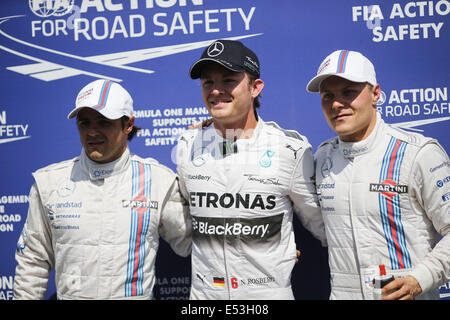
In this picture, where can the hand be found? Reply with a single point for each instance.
(298, 255)
(402, 289)
(203, 124)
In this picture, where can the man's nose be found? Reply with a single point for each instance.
(217, 89)
(337, 104)
(92, 130)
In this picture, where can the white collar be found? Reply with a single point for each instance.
(354, 149)
(97, 171)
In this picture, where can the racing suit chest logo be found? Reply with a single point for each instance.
(228, 200)
(140, 203)
(389, 188)
(247, 229)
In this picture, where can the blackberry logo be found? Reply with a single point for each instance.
(266, 229)
(230, 229)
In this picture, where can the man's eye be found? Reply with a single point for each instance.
(206, 84)
(327, 96)
(83, 123)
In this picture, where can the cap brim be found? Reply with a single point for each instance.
(195, 71)
(75, 111)
(314, 84)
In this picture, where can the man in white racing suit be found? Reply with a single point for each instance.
(243, 178)
(96, 219)
(384, 192)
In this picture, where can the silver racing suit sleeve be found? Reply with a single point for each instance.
(431, 186)
(175, 225)
(34, 252)
(304, 196)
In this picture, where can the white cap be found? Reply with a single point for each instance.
(350, 65)
(107, 97)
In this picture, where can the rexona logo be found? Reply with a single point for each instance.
(48, 8)
(388, 188)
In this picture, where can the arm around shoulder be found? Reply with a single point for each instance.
(304, 196)
(175, 224)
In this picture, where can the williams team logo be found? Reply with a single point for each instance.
(388, 188)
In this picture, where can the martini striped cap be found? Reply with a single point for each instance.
(350, 65)
(107, 97)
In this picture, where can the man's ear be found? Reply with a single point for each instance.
(257, 87)
(129, 125)
(376, 91)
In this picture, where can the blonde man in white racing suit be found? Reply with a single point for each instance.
(384, 192)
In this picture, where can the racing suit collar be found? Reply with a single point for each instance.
(354, 149)
(256, 130)
(238, 144)
(97, 171)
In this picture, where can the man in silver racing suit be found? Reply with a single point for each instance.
(244, 178)
(384, 192)
(96, 219)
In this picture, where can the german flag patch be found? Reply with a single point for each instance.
(218, 282)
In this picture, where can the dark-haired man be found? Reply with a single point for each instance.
(244, 179)
(96, 219)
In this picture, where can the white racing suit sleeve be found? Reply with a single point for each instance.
(34, 252)
(175, 225)
(431, 187)
(304, 196)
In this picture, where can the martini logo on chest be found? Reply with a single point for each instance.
(141, 204)
(389, 188)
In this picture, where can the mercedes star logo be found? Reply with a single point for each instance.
(215, 49)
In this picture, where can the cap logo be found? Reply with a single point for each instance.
(215, 49)
(84, 94)
(323, 66)
(252, 62)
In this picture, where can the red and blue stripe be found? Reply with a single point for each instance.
(140, 220)
(390, 208)
(342, 61)
(104, 95)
